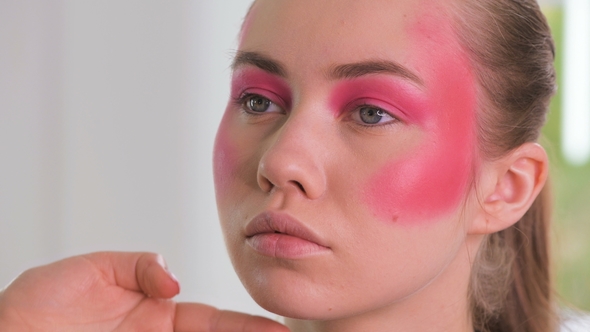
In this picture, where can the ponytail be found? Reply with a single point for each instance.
(519, 289)
(510, 46)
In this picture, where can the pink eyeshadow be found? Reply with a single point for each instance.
(402, 99)
(255, 80)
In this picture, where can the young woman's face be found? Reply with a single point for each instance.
(344, 158)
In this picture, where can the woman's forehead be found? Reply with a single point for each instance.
(320, 34)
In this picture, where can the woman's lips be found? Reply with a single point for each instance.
(279, 235)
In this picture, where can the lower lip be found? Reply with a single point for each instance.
(284, 246)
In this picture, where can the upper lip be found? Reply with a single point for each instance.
(274, 222)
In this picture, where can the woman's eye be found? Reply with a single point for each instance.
(259, 104)
(370, 115)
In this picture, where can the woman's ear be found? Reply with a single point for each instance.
(508, 186)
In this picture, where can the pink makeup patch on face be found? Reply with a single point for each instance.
(226, 150)
(433, 177)
(224, 159)
(402, 99)
(257, 81)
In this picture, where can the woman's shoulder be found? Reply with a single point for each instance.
(575, 321)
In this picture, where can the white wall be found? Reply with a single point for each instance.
(108, 111)
(575, 122)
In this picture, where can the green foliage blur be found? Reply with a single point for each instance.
(571, 191)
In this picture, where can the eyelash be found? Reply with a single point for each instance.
(243, 98)
(355, 110)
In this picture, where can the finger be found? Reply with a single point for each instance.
(149, 315)
(142, 272)
(154, 277)
(194, 317)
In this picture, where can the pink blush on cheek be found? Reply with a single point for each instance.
(418, 187)
(224, 163)
(433, 177)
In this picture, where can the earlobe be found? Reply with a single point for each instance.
(510, 187)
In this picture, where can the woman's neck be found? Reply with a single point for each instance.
(443, 305)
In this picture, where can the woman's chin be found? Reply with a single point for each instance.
(299, 302)
(296, 308)
(303, 301)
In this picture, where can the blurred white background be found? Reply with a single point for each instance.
(108, 111)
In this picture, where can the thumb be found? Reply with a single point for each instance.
(154, 278)
(144, 272)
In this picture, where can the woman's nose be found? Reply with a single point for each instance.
(293, 160)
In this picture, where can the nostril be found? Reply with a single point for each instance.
(300, 186)
(265, 184)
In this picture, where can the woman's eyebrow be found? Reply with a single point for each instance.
(259, 60)
(343, 71)
(358, 69)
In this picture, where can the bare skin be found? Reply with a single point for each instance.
(112, 292)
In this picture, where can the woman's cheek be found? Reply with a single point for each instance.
(433, 179)
(420, 186)
(224, 160)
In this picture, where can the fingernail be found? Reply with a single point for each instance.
(162, 262)
(173, 277)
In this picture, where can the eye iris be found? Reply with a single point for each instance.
(258, 104)
(371, 115)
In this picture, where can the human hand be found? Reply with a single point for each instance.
(112, 291)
